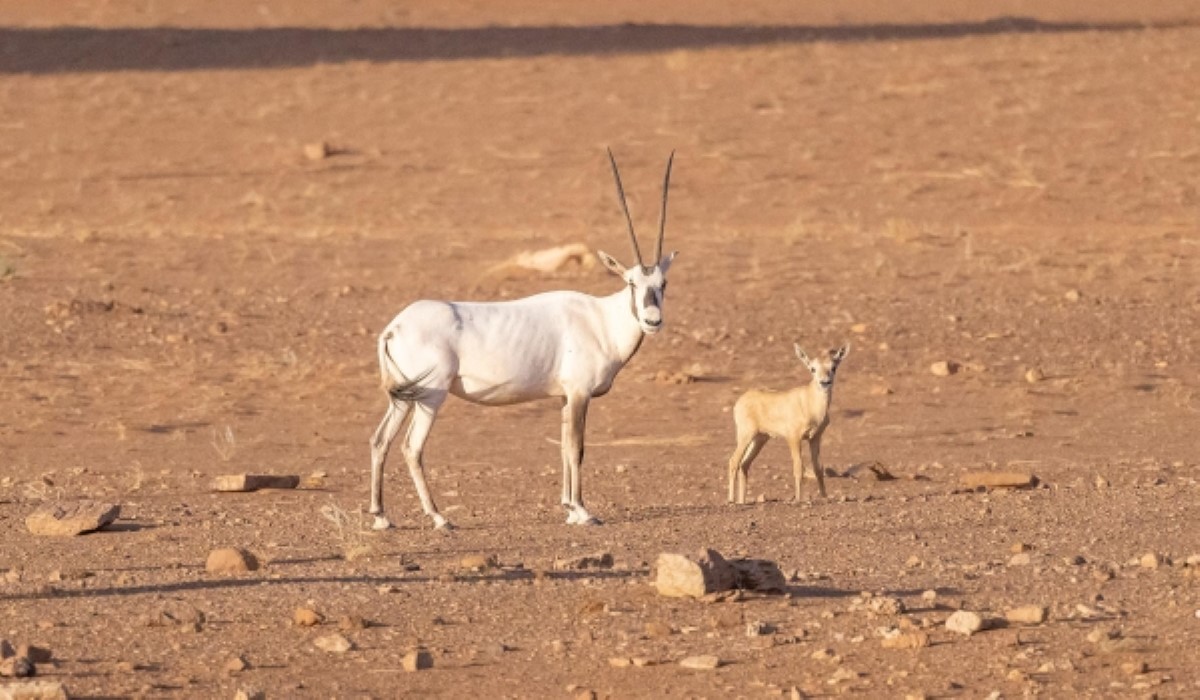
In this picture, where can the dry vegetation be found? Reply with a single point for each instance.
(185, 292)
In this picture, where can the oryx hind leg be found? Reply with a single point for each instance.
(381, 443)
(424, 414)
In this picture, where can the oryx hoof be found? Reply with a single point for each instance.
(579, 516)
(381, 523)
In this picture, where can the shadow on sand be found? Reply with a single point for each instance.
(93, 49)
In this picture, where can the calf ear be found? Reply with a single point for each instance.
(802, 355)
(611, 263)
(840, 353)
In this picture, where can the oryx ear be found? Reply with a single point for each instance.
(802, 355)
(840, 354)
(665, 263)
(611, 263)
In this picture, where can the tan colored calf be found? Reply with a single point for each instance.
(794, 415)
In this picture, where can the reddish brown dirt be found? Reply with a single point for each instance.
(184, 294)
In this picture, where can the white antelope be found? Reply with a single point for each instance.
(794, 415)
(558, 344)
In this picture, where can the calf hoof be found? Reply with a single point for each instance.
(440, 523)
(381, 523)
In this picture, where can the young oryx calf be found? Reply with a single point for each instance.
(794, 415)
(558, 344)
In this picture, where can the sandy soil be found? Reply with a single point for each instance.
(183, 293)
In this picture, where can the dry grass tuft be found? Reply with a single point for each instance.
(350, 532)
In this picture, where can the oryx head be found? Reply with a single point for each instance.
(647, 283)
(823, 369)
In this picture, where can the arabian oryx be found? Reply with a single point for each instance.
(558, 344)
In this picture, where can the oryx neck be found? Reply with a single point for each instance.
(620, 315)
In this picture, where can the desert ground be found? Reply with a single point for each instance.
(210, 210)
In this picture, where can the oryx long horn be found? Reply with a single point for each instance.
(662, 219)
(625, 207)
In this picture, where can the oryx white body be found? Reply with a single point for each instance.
(561, 344)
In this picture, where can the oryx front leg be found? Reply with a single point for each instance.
(381, 443)
(574, 422)
(414, 445)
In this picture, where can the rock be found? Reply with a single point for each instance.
(553, 259)
(1026, 615)
(944, 368)
(907, 640)
(17, 667)
(351, 623)
(68, 519)
(317, 151)
(38, 655)
(175, 613)
(662, 376)
(478, 562)
(929, 596)
(843, 674)
(1019, 547)
(33, 690)
(1192, 560)
(758, 628)
(249, 694)
(1022, 559)
(658, 630)
(881, 472)
(1102, 482)
(964, 622)
(885, 605)
(712, 576)
(235, 665)
(1034, 375)
(254, 482)
(417, 660)
(307, 617)
(705, 662)
(1135, 668)
(1150, 560)
(760, 575)
(620, 662)
(1073, 295)
(333, 643)
(642, 661)
(680, 577)
(1103, 634)
(230, 560)
(999, 480)
(599, 560)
